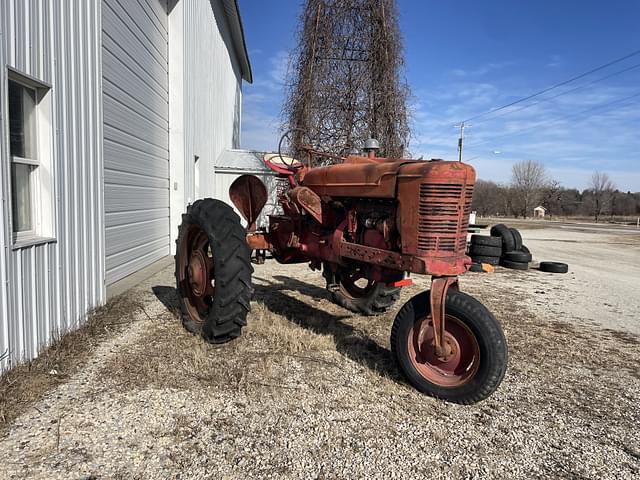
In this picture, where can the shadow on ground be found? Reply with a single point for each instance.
(168, 296)
(351, 342)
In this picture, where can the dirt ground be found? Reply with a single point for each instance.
(310, 390)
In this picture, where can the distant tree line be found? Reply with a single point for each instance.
(531, 186)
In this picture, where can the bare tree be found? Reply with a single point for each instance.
(551, 197)
(528, 180)
(602, 189)
(486, 198)
(346, 78)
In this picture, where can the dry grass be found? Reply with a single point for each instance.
(169, 357)
(22, 386)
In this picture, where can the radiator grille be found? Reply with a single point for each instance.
(443, 217)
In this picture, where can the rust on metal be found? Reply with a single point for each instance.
(366, 222)
(258, 241)
(439, 287)
(376, 255)
(195, 268)
(308, 200)
(249, 195)
(463, 359)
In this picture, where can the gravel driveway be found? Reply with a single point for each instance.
(310, 391)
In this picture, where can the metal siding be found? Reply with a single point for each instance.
(212, 84)
(47, 288)
(136, 134)
(4, 323)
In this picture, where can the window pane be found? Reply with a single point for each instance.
(29, 114)
(22, 120)
(16, 120)
(21, 197)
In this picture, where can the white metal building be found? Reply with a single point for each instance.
(112, 114)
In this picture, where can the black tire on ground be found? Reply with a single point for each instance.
(517, 238)
(486, 240)
(485, 250)
(476, 267)
(482, 336)
(554, 267)
(514, 265)
(518, 256)
(525, 249)
(508, 242)
(218, 316)
(372, 298)
(485, 259)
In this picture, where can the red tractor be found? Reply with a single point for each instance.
(367, 223)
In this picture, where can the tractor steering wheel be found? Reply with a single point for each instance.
(286, 142)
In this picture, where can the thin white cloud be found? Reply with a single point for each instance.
(555, 61)
(482, 69)
(262, 103)
(571, 148)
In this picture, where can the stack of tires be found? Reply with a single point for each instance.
(484, 249)
(514, 255)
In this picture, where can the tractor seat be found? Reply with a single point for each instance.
(282, 164)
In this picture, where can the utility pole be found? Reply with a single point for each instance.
(462, 126)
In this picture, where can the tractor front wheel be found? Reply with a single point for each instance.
(351, 289)
(476, 358)
(213, 271)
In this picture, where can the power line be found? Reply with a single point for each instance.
(573, 79)
(547, 124)
(580, 87)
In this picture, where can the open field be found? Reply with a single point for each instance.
(310, 390)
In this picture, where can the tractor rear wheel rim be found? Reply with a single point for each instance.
(197, 273)
(462, 352)
(349, 286)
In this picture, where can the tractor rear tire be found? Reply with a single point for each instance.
(480, 362)
(374, 298)
(213, 271)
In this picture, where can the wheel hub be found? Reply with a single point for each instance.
(459, 359)
(197, 272)
(451, 348)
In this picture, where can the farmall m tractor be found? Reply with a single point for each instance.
(367, 223)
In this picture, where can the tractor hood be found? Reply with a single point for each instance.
(376, 177)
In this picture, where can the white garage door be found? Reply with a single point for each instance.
(136, 134)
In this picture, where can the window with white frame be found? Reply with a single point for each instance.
(30, 159)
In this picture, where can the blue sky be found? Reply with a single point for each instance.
(467, 57)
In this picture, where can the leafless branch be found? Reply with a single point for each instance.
(346, 82)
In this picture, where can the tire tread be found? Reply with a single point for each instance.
(233, 269)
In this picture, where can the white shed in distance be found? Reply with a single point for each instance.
(539, 211)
